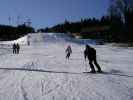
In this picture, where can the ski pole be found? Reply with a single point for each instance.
(85, 65)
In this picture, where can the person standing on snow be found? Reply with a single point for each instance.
(28, 40)
(14, 48)
(90, 53)
(17, 48)
(68, 51)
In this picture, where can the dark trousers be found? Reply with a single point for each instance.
(17, 51)
(95, 63)
(68, 55)
(14, 51)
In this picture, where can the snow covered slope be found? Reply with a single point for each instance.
(22, 40)
(41, 72)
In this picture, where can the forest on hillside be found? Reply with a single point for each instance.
(118, 23)
(8, 32)
(116, 26)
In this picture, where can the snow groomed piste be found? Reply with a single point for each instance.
(41, 72)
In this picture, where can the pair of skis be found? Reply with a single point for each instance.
(86, 70)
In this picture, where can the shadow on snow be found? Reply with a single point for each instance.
(112, 72)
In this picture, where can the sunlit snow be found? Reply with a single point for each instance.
(41, 72)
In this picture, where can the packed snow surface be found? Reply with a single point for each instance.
(41, 72)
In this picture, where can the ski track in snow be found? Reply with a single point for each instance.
(41, 72)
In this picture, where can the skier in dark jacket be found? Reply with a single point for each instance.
(28, 40)
(17, 48)
(68, 52)
(90, 53)
(14, 48)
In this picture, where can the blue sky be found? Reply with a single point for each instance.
(45, 13)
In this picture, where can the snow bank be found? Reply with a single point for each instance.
(22, 40)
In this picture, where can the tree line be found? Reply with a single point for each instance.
(8, 32)
(119, 21)
(116, 26)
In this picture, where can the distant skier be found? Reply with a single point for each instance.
(90, 53)
(68, 51)
(28, 40)
(14, 48)
(17, 48)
